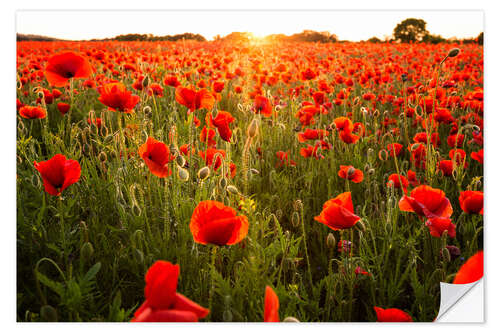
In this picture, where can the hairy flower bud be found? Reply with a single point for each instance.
(203, 173)
(253, 128)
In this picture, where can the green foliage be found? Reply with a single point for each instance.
(83, 256)
(410, 30)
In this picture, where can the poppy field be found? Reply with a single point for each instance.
(235, 181)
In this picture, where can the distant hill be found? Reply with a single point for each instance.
(37, 38)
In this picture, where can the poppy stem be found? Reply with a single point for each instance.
(305, 246)
(63, 230)
(212, 278)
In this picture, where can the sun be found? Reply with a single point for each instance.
(258, 39)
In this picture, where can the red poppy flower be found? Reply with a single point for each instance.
(392, 315)
(221, 122)
(207, 137)
(338, 213)
(412, 178)
(185, 149)
(117, 97)
(459, 155)
(471, 202)
(418, 155)
(58, 173)
(156, 155)
(263, 106)
(214, 223)
(209, 157)
(163, 303)
(426, 201)
(478, 156)
(284, 159)
(437, 225)
(348, 137)
(308, 74)
(96, 121)
(472, 270)
(64, 66)
(394, 148)
(311, 134)
(193, 99)
(350, 173)
(218, 86)
(32, 112)
(311, 151)
(395, 178)
(156, 89)
(446, 166)
(63, 108)
(56, 93)
(343, 124)
(361, 271)
(455, 140)
(271, 306)
(171, 80)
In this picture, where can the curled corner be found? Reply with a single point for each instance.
(461, 302)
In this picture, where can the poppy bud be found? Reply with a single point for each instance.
(253, 128)
(445, 253)
(174, 151)
(203, 173)
(138, 256)
(48, 313)
(227, 315)
(330, 240)
(223, 183)
(371, 172)
(295, 219)
(366, 168)
(404, 77)
(215, 112)
(279, 214)
(145, 81)
(297, 205)
(183, 174)
(350, 172)
(180, 160)
(254, 171)
(86, 251)
(40, 94)
(291, 320)
(453, 53)
(454, 251)
(136, 236)
(147, 111)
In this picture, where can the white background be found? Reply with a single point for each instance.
(8, 137)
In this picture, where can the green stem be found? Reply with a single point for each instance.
(212, 278)
(305, 246)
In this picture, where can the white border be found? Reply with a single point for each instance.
(7, 132)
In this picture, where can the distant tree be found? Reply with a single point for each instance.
(411, 30)
(314, 36)
(374, 40)
(480, 38)
(433, 39)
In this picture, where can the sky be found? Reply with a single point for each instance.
(347, 25)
